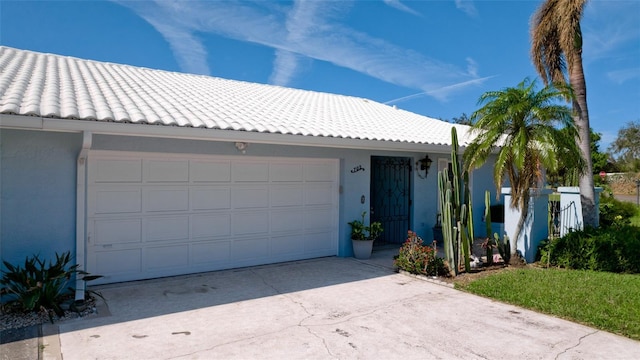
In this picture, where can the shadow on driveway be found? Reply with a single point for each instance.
(150, 298)
(137, 300)
(328, 308)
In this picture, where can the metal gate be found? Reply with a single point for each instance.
(391, 197)
(562, 220)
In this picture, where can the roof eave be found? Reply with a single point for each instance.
(11, 121)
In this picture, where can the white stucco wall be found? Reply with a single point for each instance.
(536, 225)
(37, 193)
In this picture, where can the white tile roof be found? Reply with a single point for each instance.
(53, 86)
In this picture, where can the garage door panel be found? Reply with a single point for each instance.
(212, 252)
(287, 245)
(292, 220)
(246, 198)
(210, 225)
(288, 172)
(319, 172)
(318, 219)
(210, 171)
(287, 195)
(116, 262)
(249, 171)
(166, 199)
(152, 215)
(116, 170)
(319, 243)
(249, 223)
(116, 200)
(166, 257)
(212, 198)
(166, 170)
(167, 228)
(116, 231)
(248, 249)
(319, 194)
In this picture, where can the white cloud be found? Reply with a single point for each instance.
(406, 98)
(472, 67)
(307, 30)
(301, 23)
(623, 75)
(441, 93)
(467, 6)
(402, 7)
(604, 37)
(444, 92)
(285, 66)
(189, 51)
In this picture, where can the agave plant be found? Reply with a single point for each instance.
(40, 285)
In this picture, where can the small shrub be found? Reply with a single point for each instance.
(614, 212)
(40, 286)
(417, 258)
(613, 249)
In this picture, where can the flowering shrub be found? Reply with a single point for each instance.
(417, 258)
(616, 213)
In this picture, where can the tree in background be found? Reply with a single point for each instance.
(462, 119)
(556, 51)
(600, 160)
(529, 131)
(626, 147)
(568, 173)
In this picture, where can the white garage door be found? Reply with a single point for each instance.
(153, 215)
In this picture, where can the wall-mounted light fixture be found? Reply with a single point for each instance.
(242, 146)
(423, 165)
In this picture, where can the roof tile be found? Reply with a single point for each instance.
(56, 86)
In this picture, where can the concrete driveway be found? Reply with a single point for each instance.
(329, 308)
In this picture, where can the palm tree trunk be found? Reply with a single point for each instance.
(581, 117)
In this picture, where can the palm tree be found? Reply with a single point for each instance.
(524, 129)
(556, 49)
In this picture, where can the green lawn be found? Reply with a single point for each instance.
(606, 301)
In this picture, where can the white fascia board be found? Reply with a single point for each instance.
(189, 133)
(20, 122)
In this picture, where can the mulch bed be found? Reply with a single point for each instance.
(11, 318)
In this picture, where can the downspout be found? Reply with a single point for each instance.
(81, 196)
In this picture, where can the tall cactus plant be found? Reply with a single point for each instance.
(487, 218)
(456, 211)
(446, 209)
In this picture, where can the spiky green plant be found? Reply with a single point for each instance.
(487, 218)
(455, 207)
(41, 285)
(504, 247)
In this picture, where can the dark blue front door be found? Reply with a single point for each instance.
(391, 197)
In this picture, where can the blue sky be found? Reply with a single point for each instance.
(431, 57)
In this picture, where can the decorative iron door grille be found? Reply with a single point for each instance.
(391, 197)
